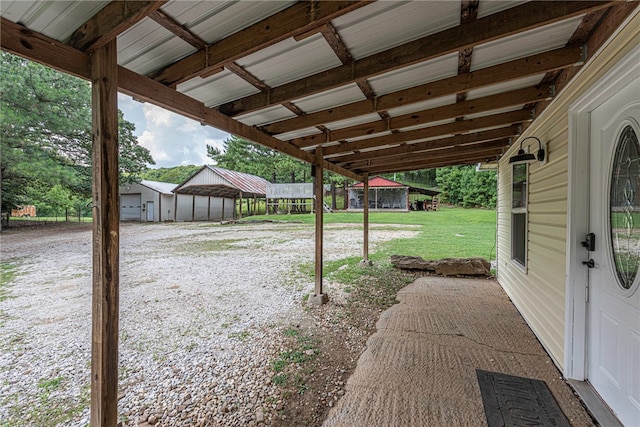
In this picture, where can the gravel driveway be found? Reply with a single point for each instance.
(199, 306)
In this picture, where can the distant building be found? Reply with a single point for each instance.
(147, 201)
(211, 193)
(386, 194)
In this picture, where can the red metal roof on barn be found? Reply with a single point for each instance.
(378, 181)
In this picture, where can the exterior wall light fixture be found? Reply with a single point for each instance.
(524, 157)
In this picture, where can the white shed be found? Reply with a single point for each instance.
(147, 201)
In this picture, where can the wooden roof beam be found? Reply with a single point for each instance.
(446, 152)
(512, 98)
(37, 47)
(535, 64)
(179, 30)
(290, 22)
(112, 20)
(409, 151)
(511, 21)
(489, 155)
(468, 125)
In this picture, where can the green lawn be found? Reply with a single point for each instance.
(448, 232)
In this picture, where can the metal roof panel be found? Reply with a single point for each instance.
(383, 25)
(339, 124)
(494, 6)
(523, 44)
(217, 89)
(290, 60)
(331, 98)
(55, 19)
(266, 115)
(244, 182)
(420, 106)
(424, 72)
(520, 83)
(147, 46)
(215, 20)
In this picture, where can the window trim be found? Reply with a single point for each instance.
(520, 210)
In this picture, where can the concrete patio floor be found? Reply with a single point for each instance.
(419, 368)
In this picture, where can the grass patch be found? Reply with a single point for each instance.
(211, 245)
(446, 233)
(8, 274)
(303, 349)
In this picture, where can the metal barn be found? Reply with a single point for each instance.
(211, 194)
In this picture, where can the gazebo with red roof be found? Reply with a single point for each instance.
(386, 194)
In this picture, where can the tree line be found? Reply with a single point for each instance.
(46, 137)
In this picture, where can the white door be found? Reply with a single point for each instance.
(150, 211)
(613, 358)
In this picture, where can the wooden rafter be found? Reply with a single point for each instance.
(295, 20)
(479, 105)
(179, 30)
(468, 13)
(111, 21)
(467, 125)
(473, 150)
(531, 65)
(427, 163)
(408, 151)
(511, 21)
(246, 76)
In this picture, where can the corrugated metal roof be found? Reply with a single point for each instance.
(385, 24)
(269, 64)
(162, 187)
(244, 182)
(290, 60)
(223, 183)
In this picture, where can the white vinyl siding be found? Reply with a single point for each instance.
(539, 294)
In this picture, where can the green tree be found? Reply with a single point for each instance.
(175, 175)
(463, 186)
(46, 134)
(245, 156)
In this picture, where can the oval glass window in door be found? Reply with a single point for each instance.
(624, 211)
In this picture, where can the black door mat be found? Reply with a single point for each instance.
(517, 401)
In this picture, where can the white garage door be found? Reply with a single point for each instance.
(130, 207)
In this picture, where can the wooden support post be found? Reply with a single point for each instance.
(222, 219)
(193, 207)
(106, 237)
(319, 298)
(365, 242)
(240, 206)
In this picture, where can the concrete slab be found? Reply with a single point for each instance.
(419, 368)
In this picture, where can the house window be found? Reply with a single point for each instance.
(519, 214)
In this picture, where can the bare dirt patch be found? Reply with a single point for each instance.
(214, 329)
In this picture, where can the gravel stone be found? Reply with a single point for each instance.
(200, 310)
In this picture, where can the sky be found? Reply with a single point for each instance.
(173, 140)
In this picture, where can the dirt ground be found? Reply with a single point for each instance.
(214, 324)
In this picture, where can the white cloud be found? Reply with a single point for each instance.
(172, 139)
(158, 116)
(150, 141)
(190, 126)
